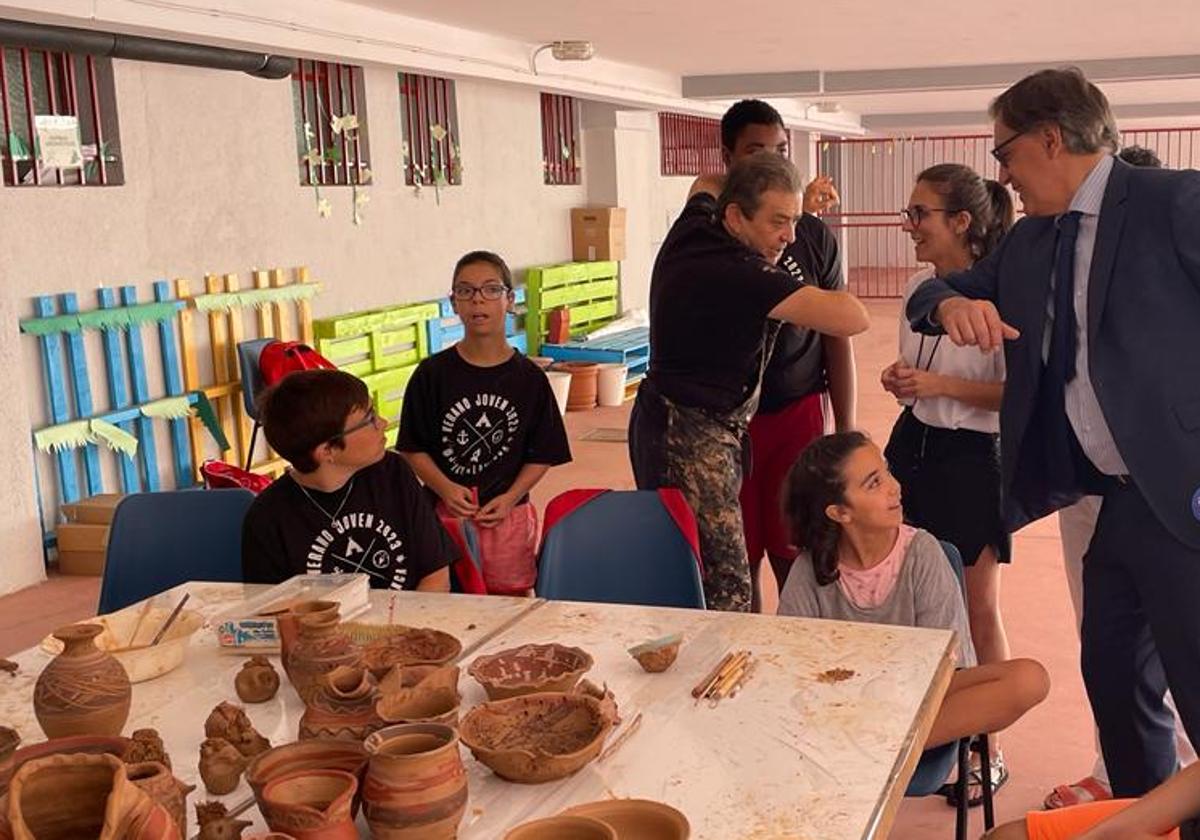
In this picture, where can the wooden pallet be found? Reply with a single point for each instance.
(591, 291)
(628, 347)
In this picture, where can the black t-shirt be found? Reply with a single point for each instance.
(380, 524)
(709, 300)
(797, 365)
(480, 425)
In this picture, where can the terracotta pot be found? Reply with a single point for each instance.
(313, 754)
(322, 646)
(161, 786)
(273, 835)
(416, 786)
(636, 818)
(257, 682)
(419, 694)
(343, 706)
(582, 395)
(87, 744)
(312, 804)
(385, 647)
(563, 828)
(9, 741)
(288, 625)
(67, 797)
(83, 691)
(529, 669)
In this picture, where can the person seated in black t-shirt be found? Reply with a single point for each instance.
(480, 426)
(347, 504)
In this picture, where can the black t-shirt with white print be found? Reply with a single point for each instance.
(380, 524)
(480, 425)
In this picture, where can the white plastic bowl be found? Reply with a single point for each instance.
(141, 661)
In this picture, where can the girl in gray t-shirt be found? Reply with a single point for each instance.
(859, 562)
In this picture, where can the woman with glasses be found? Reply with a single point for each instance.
(944, 449)
(480, 427)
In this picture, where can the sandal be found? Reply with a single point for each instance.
(1087, 789)
(999, 772)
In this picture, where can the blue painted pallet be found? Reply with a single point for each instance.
(446, 329)
(629, 347)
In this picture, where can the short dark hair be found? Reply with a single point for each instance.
(744, 113)
(988, 202)
(1062, 97)
(307, 408)
(1140, 156)
(752, 176)
(491, 258)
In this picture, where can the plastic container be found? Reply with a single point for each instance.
(560, 383)
(610, 384)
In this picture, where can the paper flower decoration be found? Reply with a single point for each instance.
(312, 158)
(437, 132)
(324, 208)
(346, 122)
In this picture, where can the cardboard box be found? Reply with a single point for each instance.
(81, 548)
(96, 510)
(598, 233)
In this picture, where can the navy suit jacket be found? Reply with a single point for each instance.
(1143, 334)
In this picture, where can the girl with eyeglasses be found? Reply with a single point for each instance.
(945, 447)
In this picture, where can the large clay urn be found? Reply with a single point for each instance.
(90, 744)
(312, 804)
(83, 691)
(322, 647)
(416, 786)
(68, 797)
(162, 786)
(288, 624)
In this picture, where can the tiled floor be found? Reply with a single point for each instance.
(1052, 745)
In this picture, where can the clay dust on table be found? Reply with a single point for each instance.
(554, 729)
(835, 675)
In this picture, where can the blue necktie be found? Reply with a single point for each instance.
(1060, 361)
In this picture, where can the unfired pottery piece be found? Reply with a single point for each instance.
(87, 744)
(161, 786)
(657, 655)
(321, 647)
(387, 646)
(257, 682)
(146, 745)
(529, 669)
(563, 828)
(343, 707)
(288, 624)
(538, 737)
(230, 722)
(416, 785)
(432, 699)
(221, 766)
(216, 824)
(83, 691)
(312, 804)
(637, 819)
(312, 754)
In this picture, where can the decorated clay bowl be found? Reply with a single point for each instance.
(637, 819)
(529, 669)
(563, 828)
(537, 737)
(657, 655)
(385, 646)
(310, 754)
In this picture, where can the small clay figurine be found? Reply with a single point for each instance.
(216, 824)
(221, 766)
(257, 682)
(146, 745)
(657, 655)
(231, 723)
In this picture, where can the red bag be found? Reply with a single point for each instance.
(279, 358)
(218, 474)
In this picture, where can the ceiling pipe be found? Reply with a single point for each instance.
(138, 48)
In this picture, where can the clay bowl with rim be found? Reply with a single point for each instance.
(386, 646)
(439, 705)
(536, 738)
(90, 744)
(310, 754)
(529, 669)
(319, 800)
(637, 819)
(657, 655)
(564, 828)
(410, 676)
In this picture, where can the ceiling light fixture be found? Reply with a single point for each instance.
(564, 51)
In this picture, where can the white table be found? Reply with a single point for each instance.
(789, 757)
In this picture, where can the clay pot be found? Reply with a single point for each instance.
(273, 835)
(529, 669)
(582, 395)
(536, 738)
(563, 828)
(343, 706)
(312, 804)
(313, 754)
(9, 741)
(636, 818)
(426, 676)
(416, 786)
(146, 745)
(288, 625)
(86, 744)
(230, 722)
(385, 647)
(216, 824)
(169, 792)
(221, 766)
(257, 682)
(657, 655)
(83, 691)
(322, 646)
(430, 695)
(66, 797)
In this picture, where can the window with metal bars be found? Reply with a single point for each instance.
(429, 126)
(689, 145)
(560, 138)
(60, 119)
(331, 123)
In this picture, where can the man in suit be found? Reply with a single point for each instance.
(1095, 297)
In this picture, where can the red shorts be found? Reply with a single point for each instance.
(776, 441)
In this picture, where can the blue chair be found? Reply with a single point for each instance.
(248, 353)
(935, 764)
(621, 547)
(159, 540)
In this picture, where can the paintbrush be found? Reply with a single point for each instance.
(162, 631)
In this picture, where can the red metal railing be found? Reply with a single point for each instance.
(875, 177)
(689, 145)
(560, 138)
(321, 91)
(429, 124)
(37, 83)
